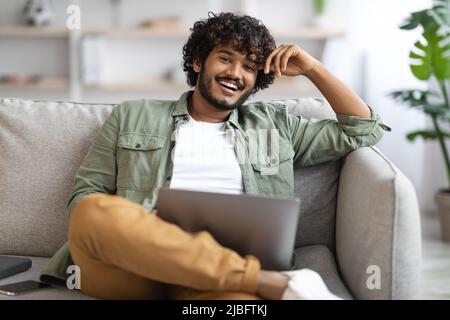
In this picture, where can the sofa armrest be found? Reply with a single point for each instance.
(377, 228)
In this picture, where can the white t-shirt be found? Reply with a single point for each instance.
(204, 159)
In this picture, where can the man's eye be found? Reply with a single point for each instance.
(250, 68)
(225, 59)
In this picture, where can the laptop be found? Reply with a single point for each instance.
(261, 226)
(10, 266)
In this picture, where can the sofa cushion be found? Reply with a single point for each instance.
(43, 143)
(41, 146)
(317, 188)
(53, 293)
(320, 259)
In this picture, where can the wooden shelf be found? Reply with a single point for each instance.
(137, 33)
(150, 85)
(292, 85)
(297, 33)
(309, 33)
(46, 32)
(285, 85)
(51, 84)
(53, 32)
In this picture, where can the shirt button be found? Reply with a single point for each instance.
(137, 145)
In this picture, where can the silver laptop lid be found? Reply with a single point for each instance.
(260, 226)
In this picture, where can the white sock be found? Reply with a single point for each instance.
(306, 284)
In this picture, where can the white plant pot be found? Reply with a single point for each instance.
(320, 21)
(443, 202)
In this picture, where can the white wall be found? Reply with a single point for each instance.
(373, 60)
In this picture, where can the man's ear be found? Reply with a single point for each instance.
(197, 66)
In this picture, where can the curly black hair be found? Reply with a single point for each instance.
(247, 35)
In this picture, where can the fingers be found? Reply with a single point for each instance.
(270, 57)
(285, 58)
(278, 59)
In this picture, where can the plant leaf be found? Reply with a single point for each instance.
(441, 13)
(419, 99)
(413, 97)
(437, 16)
(433, 58)
(426, 135)
(418, 18)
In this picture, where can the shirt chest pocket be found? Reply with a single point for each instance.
(138, 160)
(274, 172)
(265, 163)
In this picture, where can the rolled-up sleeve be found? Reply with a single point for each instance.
(317, 141)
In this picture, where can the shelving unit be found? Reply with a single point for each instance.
(76, 89)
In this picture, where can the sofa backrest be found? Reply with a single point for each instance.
(41, 147)
(316, 186)
(42, 144)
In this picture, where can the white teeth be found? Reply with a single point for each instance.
(229, 84)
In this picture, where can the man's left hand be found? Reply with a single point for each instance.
(290, 60)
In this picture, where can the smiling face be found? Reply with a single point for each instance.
(226, 78)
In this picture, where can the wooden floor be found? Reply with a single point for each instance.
(436, 260)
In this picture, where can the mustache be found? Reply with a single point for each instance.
(238, 84)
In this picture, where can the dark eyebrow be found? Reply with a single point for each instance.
(232, 54)
(225, 51)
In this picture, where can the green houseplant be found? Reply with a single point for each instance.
(319, 19)
(430, 59)
(319, 7)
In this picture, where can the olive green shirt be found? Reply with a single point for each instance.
(131, 153)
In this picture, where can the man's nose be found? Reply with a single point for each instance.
(235, 71)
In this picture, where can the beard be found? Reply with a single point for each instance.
(206, 93)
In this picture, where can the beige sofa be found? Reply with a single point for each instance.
(359, 219)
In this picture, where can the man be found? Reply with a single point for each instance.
(124, 250)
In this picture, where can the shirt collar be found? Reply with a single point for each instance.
(234, 119)
(181, 109)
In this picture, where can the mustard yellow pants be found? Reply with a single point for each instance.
(125, 252)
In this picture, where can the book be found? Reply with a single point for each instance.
(12, 265)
